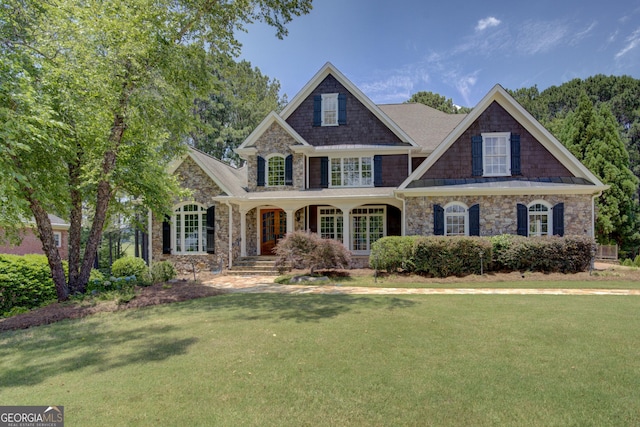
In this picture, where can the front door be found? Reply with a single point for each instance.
(273, 228)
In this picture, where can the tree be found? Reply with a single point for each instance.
(98, 98)
(233, 111)
(592, 136)
(438, 102)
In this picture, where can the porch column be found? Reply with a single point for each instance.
(243, 232)
(346, 228)
(290, 219)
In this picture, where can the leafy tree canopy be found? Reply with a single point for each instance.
(97, 97)
(438, 102)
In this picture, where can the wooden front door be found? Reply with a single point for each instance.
(273, 228)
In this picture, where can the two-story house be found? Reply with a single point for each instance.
(334, 163)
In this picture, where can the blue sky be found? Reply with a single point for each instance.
(459, 49)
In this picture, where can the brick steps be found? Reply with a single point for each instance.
(254, 266)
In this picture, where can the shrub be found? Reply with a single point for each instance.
(162, 271)
(392, 253)
(25, 283)
(451, 256)
(129, 266)
(303, 250)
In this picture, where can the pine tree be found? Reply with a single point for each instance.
(592, 135)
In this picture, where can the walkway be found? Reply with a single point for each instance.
(265, 284)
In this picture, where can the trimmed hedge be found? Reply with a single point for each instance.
(25, 283)
(134, 268)
(439, 256)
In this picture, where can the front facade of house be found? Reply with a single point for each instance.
(334, 163)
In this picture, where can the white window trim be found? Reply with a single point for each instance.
(336, 216)
(342, 172)
(328, 96)
(57, 234)
(465, 214)
(368, 215)
(266, 170)
(549, 217)
(506, 135)
(202, 229)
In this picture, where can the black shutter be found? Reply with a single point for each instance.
(476, 155)
(324, 172)
(342, 109)
(558, 220)
(166, 236)
(260, 178)
(515, 155)
(474, 220)
(377, 171)
(317, 110)
(523, 220)
(288, 170)
(211, 230)
(438, 220)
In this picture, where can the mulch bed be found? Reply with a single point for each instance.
(145, 296)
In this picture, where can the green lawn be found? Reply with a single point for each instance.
(296, 360)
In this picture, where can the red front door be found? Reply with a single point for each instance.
(273, 228)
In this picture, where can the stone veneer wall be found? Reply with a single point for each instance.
(204, 191)
(276, 140)
(498, 213)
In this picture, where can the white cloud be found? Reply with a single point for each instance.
(540, 36)
(632, 42)
(396, 86)
(488, 22)
(584, 33)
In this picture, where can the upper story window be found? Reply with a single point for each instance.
(330, 109)
(275, 171)
(495, 154)
(351, 171)
(456, 220)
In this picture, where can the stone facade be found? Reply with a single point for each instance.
(498, 213)
(204, 191)
(276, 140)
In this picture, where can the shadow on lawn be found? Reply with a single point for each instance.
(299, 308)
(85, 347)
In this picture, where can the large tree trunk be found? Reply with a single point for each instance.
(50, 249)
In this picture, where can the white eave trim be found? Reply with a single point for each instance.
(447, 190)
(271, 118)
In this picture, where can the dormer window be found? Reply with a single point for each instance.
(330, 109)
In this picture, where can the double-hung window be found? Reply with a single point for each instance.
(539, 219)
(496, 152)
(329, 109)
(352, 172)
(456, 220)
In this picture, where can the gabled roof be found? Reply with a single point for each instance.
(427, 126)
(542, 135)
(230, 180)
(247, 146)
(329, 69)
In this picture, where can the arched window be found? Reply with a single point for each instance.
(189, 229)
(275, 170)
(456, 220)
(539, 219)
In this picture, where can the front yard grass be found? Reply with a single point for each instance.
(293, 360)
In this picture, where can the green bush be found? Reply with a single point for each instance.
(25, 283)
(132, 267)
(451, 256)
(392, 253)
(163, 271)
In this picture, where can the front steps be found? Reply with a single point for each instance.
(254, 266)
